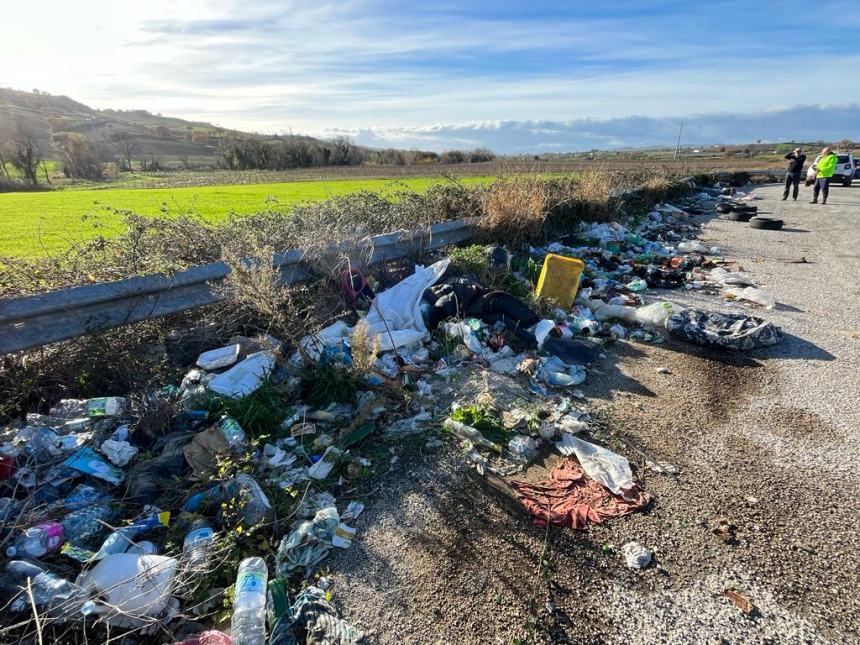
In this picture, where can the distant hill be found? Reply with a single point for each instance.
(42, 115)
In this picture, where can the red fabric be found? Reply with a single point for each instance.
(570, 498)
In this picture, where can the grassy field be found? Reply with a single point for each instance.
(45, 223)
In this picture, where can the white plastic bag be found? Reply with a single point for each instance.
(604, 311)
(751, 294)
(244, 378)
(656, 313)
(603, 466)
(132, 585)
(395, 314)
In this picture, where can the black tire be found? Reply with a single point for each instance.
(723, 208)
(847, 182)
(745, 208)
(766, 223)
(739, 216)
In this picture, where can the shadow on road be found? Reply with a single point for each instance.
(794, 347)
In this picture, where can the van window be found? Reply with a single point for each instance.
(841, 158)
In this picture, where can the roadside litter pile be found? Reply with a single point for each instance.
(215, 501)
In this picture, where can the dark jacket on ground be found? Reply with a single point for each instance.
(795, 163)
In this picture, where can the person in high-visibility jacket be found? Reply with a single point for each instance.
(824, 168)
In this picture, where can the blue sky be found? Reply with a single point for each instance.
(515, 76)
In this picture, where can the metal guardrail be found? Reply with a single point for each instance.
(37, 320)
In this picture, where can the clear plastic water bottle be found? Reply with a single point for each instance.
(107, 406)
(248, 626)
(232, 432)
(55, 597)
(83, 525)
(37, 541)
(198, 544)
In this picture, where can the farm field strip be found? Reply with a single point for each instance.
(43, 223)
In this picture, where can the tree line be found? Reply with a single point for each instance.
(83, 157)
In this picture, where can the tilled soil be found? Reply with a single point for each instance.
(766, 443)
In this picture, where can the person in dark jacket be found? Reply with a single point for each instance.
(796, 159)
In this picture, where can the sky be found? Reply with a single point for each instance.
(518, 77)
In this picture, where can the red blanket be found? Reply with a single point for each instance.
(570, 498)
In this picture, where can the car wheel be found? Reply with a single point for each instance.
(766, 223)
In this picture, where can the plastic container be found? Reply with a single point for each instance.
(37, 541)
(559, 279)
(217, 358)
(248, 626)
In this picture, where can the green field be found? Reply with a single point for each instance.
(45, 223)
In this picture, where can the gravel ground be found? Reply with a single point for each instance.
(766, 441)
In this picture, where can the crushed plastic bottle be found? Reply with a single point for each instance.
(248, 626)
(37, 541)
(54, 597)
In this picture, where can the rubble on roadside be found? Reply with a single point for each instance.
(117, 526)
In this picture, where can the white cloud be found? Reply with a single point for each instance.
(376, 67)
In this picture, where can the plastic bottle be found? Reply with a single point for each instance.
(84, 524)
(120, 540)
(198, 544)
(54, 596)
(248, 626)
(37, 541)
(232, 432)
(470, 434)
(107, 406)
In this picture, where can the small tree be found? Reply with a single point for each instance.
(126, 147)
(81, 159)
(26, 155)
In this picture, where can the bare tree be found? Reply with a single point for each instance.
(126, 147)
(26, 155)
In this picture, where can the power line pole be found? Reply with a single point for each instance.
(678, 145)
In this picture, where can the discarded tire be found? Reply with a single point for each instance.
(739, 216)
(736, 208)
(766, 223)
(725, 331)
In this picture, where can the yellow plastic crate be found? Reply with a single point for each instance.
(559, 279)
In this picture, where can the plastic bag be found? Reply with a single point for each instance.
(604, 311)
(603, 466)
(657, 313)
(132, 586)
(395, 314)
(751, 294)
